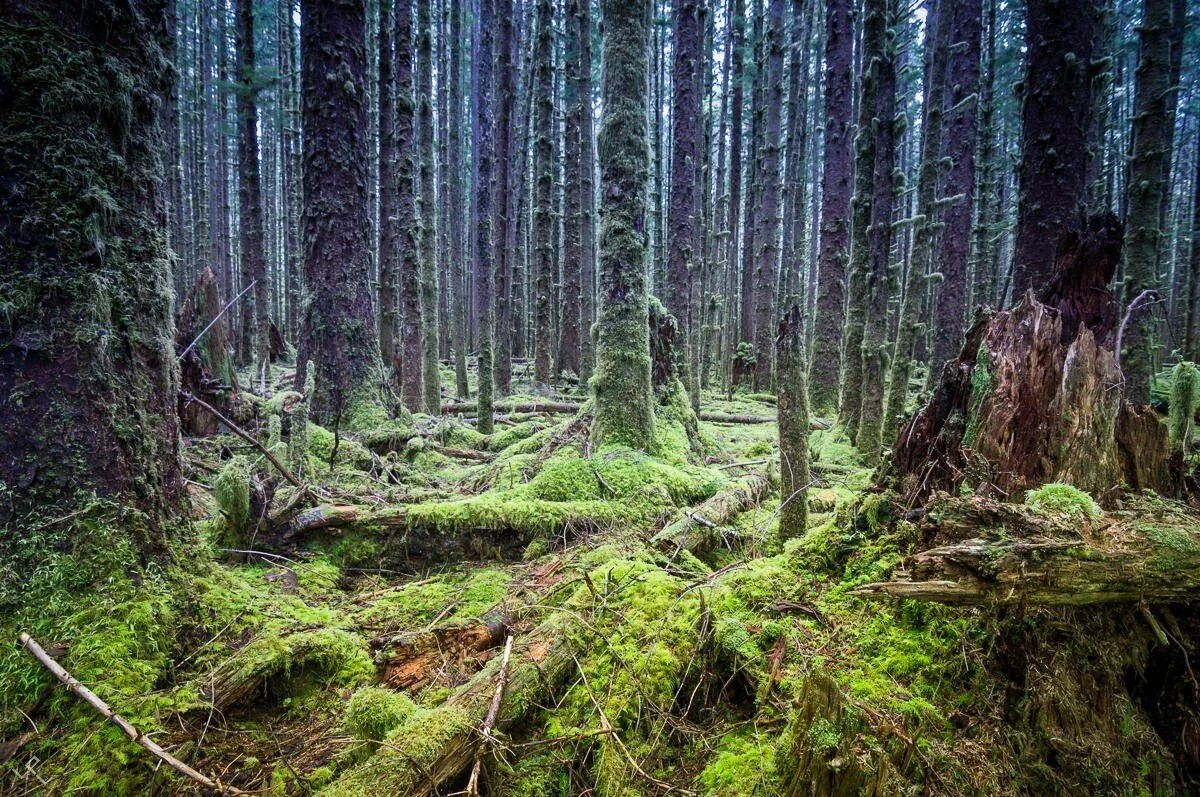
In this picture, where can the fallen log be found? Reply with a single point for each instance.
(438, 745)
(412, 658)
(466, 407)
(698, 529)
(815, 424)
(464, 453)
(89, 697)
(1148, 552)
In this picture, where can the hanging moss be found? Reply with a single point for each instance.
(1185, 400)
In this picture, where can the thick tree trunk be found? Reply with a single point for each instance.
(737, 81)
(250, 193)
(431, 387)
(1191, 346)
(962, 87)
(339, 323)
(483, 209)
(88, 376)
(835, 206)
(621, 385)
(388, 187)
(1057, 105)
(1152, 143)
(683, 219)
(457, 291)
(767, 238)
(587, 195)
(407, 365)
(874, 343)
(793, 425)
(543, 193)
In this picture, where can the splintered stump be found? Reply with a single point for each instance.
(206, 367)
(978, 551)
(1030, 401)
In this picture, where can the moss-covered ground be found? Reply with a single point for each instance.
(269, 660)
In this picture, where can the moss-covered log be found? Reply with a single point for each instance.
(435, 746)
(698, 530)
(986, 552)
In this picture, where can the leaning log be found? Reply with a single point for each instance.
(983, 552)
(436, 746)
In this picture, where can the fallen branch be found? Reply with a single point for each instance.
(490, 721)
(89, 697)
(237, 430)
(699, 527)
(215, 319)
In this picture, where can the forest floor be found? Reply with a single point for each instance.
(645, 627)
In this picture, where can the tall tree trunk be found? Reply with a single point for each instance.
(850, 397)
(88, 375)
(250, 192)
(767, 237)
(587, 195)
(621, 385)
(408, 367)
(483, 203)
(959, 141)
(737, 46)
(572, 263)
(882, 128)
(835, 206)
(431, 391)
(387, 187)
(794, 217)
(1143, 228)
(339, 326)
(752, 215)
(543, 188)
(683, 219)
(794, 474)
(936, 57)
(1191, 346)
(457, 291)
(504, 99)
(1061, 38)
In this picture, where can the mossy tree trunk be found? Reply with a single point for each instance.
(250, 193)
(483, 205)
(543, 192)
(834, 236)
(850, 396)
(913, 301)
(567, 358)
(683, 209)
(621, 385)
(1056, 107)
(88, 374)
(457, 291)
(874, 344)
(504, 99)
(339, 324)
(427, 242)
(388, 186)
(793, 424)
(767, 239)
(407, 366)
(1143, 222)
(1191, 345)
(587, 194)
(737, 26)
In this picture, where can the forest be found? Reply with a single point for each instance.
(600, 398)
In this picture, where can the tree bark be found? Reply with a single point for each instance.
(1152, 142)
(572, 262)
(388, 187)
(407, 366)
(484, 275)
(587, 195)
(621, 385)
(431, 388)
(88, 377)
(339, 322)
(794, 475)
(835, 206)
(1052, 175)
(543, 193)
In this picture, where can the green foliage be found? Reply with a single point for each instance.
(981, 387)
(231, 489)
(373, 712)
(1062, 500)
(744, 766)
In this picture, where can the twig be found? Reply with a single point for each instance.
(1148, 296)
(85, 694)
(237, 430)
(216, 318)
(744, 464)
(489, 722)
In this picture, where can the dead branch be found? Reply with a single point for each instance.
(490, 721)
(89, 697)
(237, 430)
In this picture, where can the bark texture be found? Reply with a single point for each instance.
(88, 377)
(543, 193)
(388, 187)
(427, 242)
(339, 328)
(793, 424)
(621, 385)
(407, 366)
(483, 208)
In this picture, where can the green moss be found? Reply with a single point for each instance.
(374, 712)
(231, 489)
(1185, 400)
(744, 765)
(981, 387)
(1062, 500)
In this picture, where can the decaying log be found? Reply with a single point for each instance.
(412, 659)
(465, 453)
(1035, 395)
(698, 529)
(436, 746)
(470, 407)
(89, 697)
(981, 551)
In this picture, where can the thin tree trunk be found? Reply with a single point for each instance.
(793, 425)
(574, 107)
(483, 204)
(587, 196)
(456, 207)
(505, 99)
(408, 368)
(543, 204)
(427, 243)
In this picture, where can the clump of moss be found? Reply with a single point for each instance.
(1185, 400)
(981, 387)
(1062, 500)
(232, 492)
(373, 712)
(744, 765)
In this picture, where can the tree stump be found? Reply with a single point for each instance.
(207, 370)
